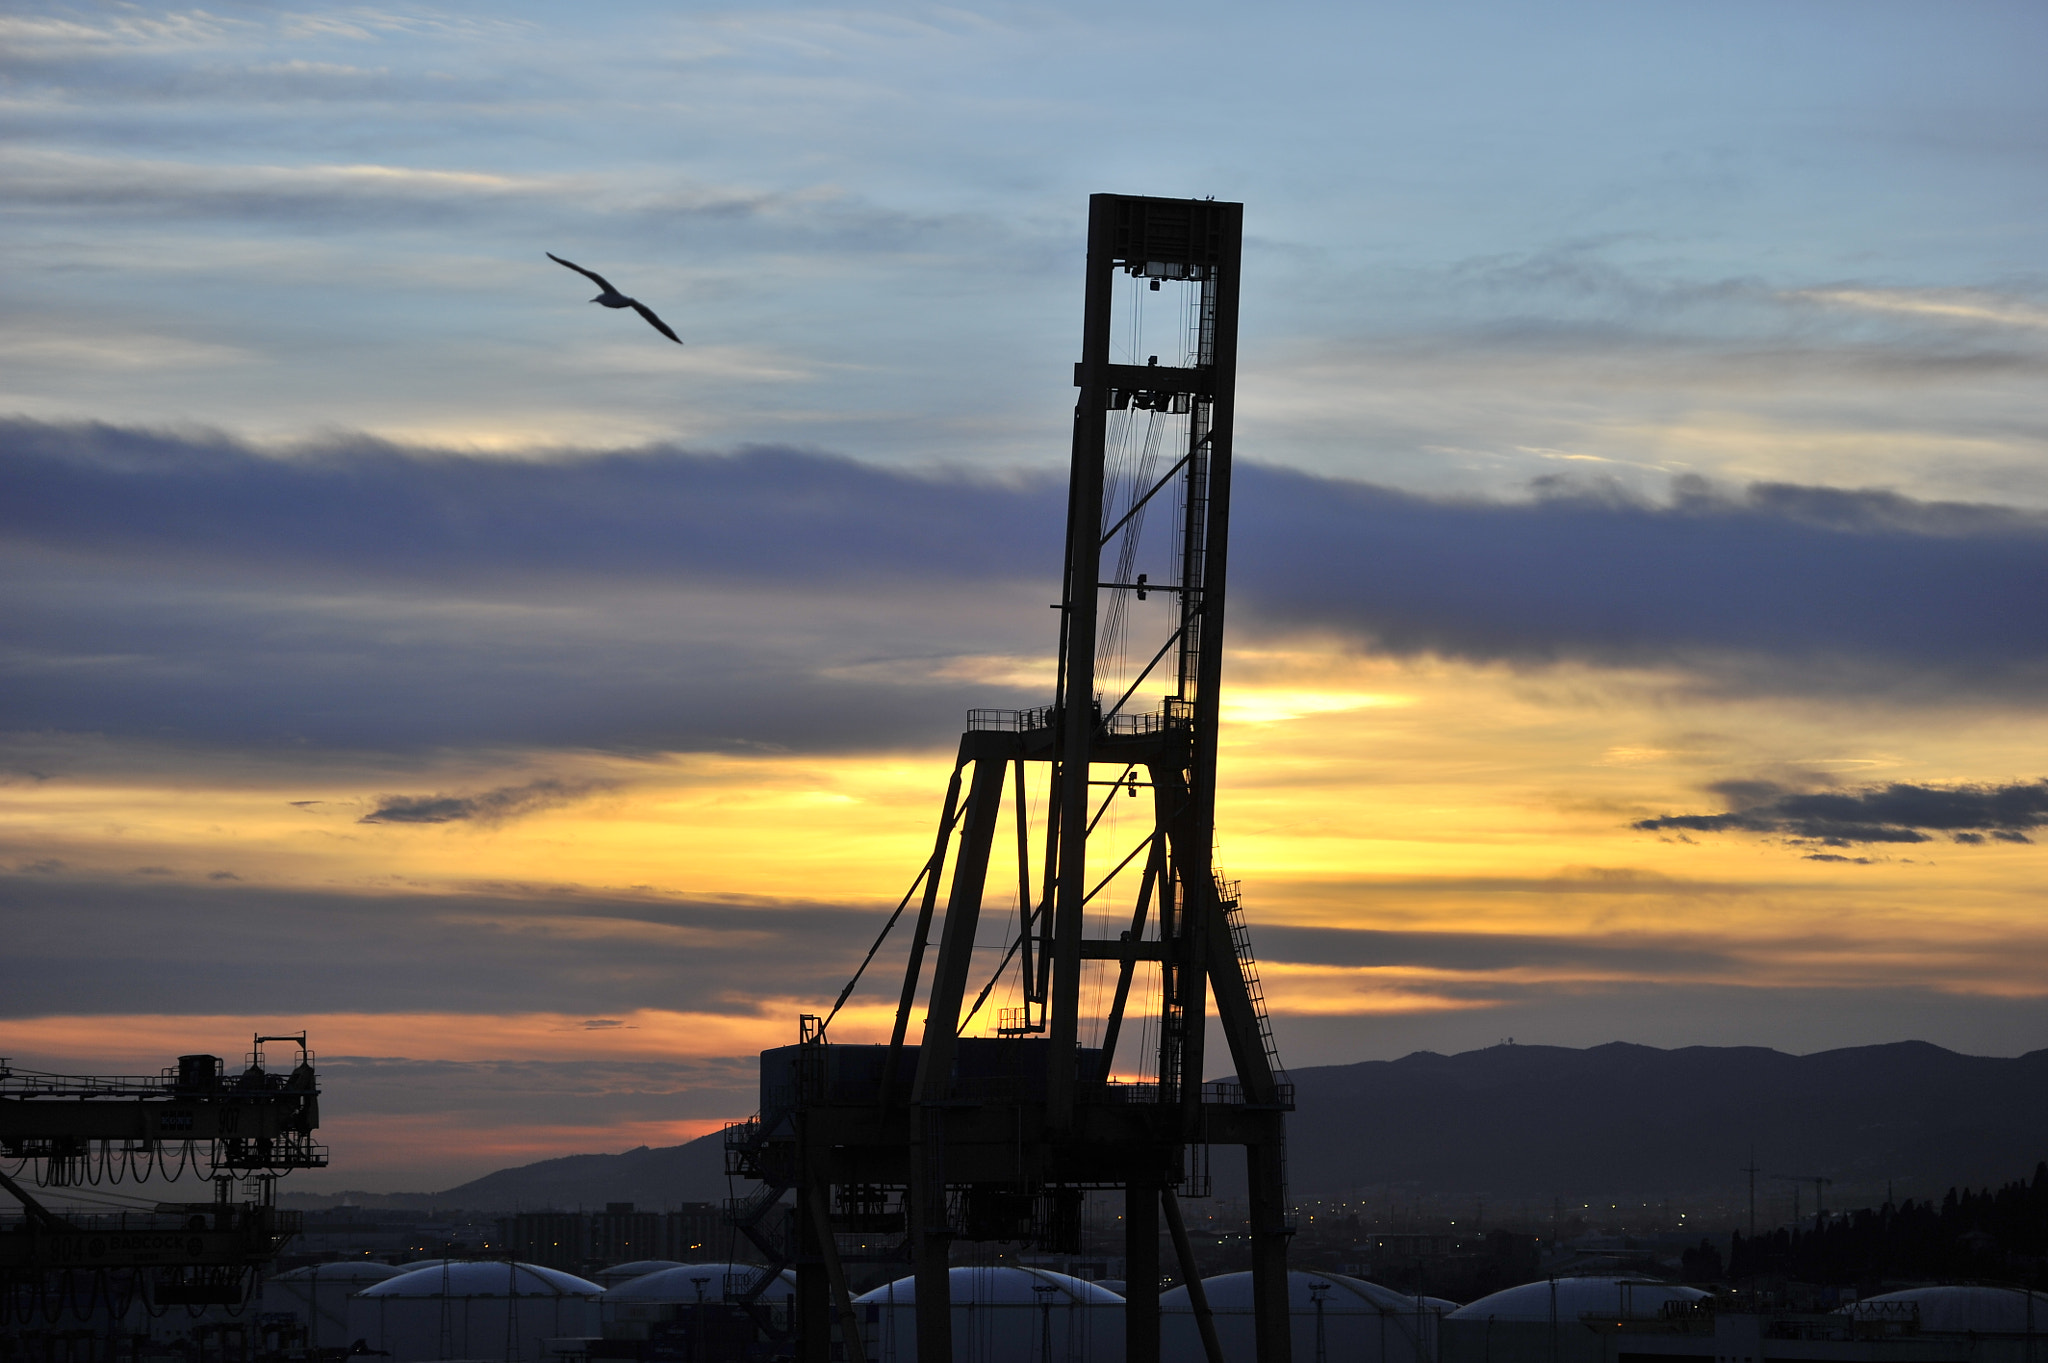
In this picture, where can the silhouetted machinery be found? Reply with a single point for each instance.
(98, 1136)
(1122, 923)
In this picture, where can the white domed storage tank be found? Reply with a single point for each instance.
(637, 1308)
(1961, 1310)
(317, 1295)
(1001, 1315)
(500, 1310)
(625, 1273)
(1572, 1298)
(1361, 1321)
(1546, 1322)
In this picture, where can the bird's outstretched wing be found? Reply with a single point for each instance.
(656, 322)
(591, 275)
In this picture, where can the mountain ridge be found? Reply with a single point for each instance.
(1521, 1122)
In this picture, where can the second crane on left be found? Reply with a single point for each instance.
(242, 1131)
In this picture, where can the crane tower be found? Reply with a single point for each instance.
(993, 1123)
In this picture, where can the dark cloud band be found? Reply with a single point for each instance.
(1896, 813)
(370, 512)
(365, 596)
(81, 945)
(1776, 587)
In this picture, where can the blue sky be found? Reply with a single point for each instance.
(1646, 408)
(1488, 242)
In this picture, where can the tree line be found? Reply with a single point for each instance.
(1994, 1236)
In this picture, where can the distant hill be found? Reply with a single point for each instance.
(1531, 1123)
(651, 1178)
(1544, 1121)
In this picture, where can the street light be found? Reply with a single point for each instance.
(697, 1331)
(1045, 1291)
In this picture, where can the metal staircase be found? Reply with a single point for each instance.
(1229, 895)
(752, 1215)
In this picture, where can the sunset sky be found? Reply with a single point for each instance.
(1640, 617)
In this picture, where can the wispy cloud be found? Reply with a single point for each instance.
(1948, 305)
(136, 350)
(47, 36)
(112, 183)
(489, 807)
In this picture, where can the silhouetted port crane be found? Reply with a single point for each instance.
(239, 1130)
(1122, 922)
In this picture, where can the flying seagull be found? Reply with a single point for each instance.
(612, 298)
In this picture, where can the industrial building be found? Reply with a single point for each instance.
(580, 1241)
